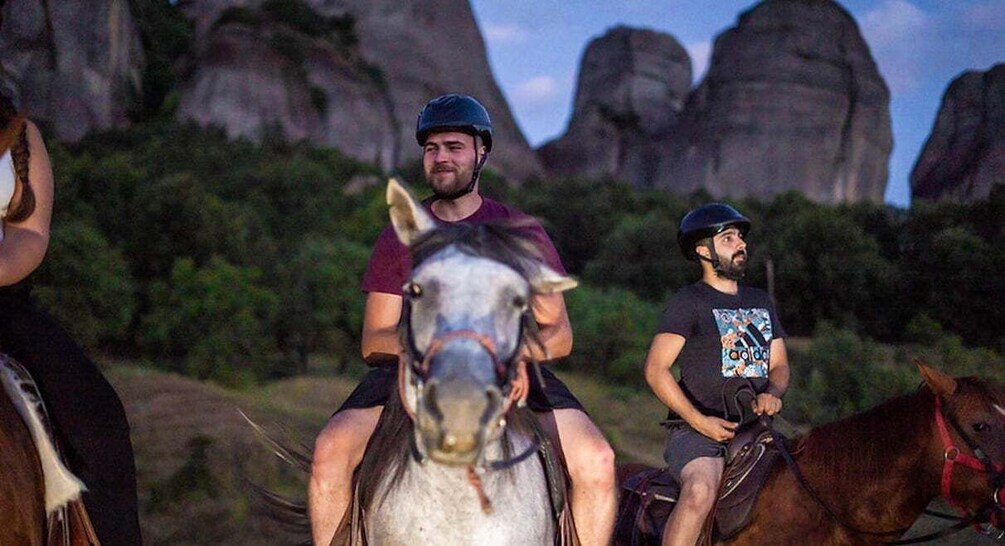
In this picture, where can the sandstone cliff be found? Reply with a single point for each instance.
(792, 100)
(74, 64)
(357, 85)
(632, 86)
(964, 156)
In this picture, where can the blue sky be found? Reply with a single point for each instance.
(919, 45)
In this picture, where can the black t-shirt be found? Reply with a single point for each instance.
(726, 336)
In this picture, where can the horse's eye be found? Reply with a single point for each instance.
(519, 302)
(981, 427)
(413, 290)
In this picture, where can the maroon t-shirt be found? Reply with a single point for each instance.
(391, 263)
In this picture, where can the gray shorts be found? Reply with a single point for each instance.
(684, 444)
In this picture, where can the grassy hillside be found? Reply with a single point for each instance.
(195, 453)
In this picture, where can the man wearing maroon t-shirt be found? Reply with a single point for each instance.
(456, 135)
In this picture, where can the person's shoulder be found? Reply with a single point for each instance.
(497, 209)
(687, 293)
(754, 294)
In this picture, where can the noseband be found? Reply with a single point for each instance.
(980, 462)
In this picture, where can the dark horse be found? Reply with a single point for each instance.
(873, 474)
(22, 492)
(39, 496)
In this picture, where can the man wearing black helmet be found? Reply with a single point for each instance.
(455, 133)
(720, 333)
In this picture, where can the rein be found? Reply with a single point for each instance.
(979, 461)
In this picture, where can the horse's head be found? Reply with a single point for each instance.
(466, 314)
(970, 418)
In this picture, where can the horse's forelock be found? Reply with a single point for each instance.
(509, 242)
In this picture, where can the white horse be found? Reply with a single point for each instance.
(454, 460)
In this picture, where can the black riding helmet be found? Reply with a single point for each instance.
(454, 112)
(708, 221)
(462, 114)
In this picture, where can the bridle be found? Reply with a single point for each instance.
(985, 519)
(979, 461)
(507, 371)
(511, 378)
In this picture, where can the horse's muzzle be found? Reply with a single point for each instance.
(460, 402)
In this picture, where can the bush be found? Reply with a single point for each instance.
(612, 331)
(85, 284)
(214, 320)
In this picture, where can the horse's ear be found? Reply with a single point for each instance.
(549, 281)
(409, 219)
(940, 383)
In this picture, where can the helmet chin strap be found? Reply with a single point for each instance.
(474, 178)
(716, 264)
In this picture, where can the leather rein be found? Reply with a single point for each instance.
(984, 519)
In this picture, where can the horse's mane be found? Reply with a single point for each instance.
(867, 441)
(510, 242)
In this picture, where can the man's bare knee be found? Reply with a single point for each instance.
(588, 456)
(592, 463)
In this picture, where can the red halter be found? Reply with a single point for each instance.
(954, 456)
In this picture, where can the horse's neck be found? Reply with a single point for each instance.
(436, 504)
(886, 451)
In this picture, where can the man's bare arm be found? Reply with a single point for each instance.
(554, 330)
(380, 343)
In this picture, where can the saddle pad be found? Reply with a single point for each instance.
(61, 486)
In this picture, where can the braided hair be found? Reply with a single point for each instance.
(14, 137)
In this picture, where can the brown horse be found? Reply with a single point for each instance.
(22, 497)
(870, 476)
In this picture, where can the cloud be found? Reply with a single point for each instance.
(536, 90)
(700, 53)
(899, 34)
(505, 34)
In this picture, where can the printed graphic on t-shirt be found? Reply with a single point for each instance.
(746, 341)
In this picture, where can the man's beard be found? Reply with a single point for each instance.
(732, 270)
(450, 189)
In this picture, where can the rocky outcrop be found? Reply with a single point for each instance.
(792, 101)
(357, 86)
(252, 75)
(632, 86)
(76, 65)
(964, 156)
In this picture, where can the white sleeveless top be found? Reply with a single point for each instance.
(7, 183)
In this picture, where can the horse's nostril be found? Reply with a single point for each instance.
(430, 399)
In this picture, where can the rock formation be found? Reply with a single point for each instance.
(632, 86)
(964, 156)
(76, 65)
(358, 87)
(792, 100)
(251, 75)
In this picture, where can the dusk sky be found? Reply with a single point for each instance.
(920, 46)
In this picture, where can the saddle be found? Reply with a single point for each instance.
(651, 495)
(67, 521)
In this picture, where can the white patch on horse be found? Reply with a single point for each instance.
(436, 505)
(61, 486)
(999, 408)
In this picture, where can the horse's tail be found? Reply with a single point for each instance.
(290, 513)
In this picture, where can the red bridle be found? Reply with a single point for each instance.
(519, 383)
(954, 456)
